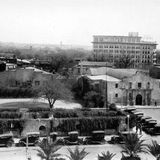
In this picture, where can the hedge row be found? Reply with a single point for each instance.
(63, 113)
(86, 125)
(5, 125)
(10, 115)
(16, 93)
(60, 113)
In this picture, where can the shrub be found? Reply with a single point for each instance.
(106, 156)
(38, 109)
(93, 99)
(77, 154)
(10, 115)
(73, 113)
(16, 92)
(5, 125)
(113, 107)
(86, 125)
(64, 113)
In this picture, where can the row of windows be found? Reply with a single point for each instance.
(116, 51)
(139, 84)
(124, 47)
(146, 52)
(117, 39)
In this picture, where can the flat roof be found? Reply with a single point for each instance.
(104, 78)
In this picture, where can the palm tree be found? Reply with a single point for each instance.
(132, 146)
(77, 154)
(154, 149)
(106, 156)
(48, 150)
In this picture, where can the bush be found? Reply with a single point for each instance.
(38, 109)
(93, 99)
(16, 93)
(5, 125)
(113, 107)
(86, 125)
(73, 113)
(8, 109)
(10, 115)
(64, 113)
(36, 115)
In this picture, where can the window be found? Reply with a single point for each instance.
(37, 83)
(148, 85)
(116, 85)
(130, 85)
(78, 70)
(139, 85)
(17, 83)
(116, 95)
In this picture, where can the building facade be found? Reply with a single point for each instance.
(115, 46)
(24, 77)
(125, 86)
(140, 89)
(83, 67)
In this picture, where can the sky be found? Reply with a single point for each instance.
(76, 21)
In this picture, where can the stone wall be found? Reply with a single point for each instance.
(32, 125)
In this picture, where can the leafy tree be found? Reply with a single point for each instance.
(48, 150)
(93, 99)
(154, 149)
(106, 156)
(77, 154)
(124, 61)
(132, 146)
(54, 90)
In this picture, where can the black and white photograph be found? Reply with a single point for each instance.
(79, 80)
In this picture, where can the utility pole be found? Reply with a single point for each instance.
(106, 92)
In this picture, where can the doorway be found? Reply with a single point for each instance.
(138, 99)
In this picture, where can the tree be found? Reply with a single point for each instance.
(93, 99)
(124, 61)
(106, 156)
(77, 154)
(48, 150)
(54, 90)
(132, 146)
(154, 149)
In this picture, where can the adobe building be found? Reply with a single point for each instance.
(24, 77)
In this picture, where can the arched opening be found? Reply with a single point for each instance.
(138, 99)
(42, 130)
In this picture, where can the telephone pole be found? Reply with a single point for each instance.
(106, 91)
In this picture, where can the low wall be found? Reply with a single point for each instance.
(32, 125)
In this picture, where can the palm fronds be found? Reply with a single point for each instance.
(76, 154)
(133, 145)
(106, 156)
(154, 149)
(48, 150)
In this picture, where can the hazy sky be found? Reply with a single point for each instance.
(76, 21)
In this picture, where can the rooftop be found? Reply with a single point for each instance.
(91, 63)
(104, 78)
(116, 73)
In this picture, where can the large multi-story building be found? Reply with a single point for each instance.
(113, 47)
